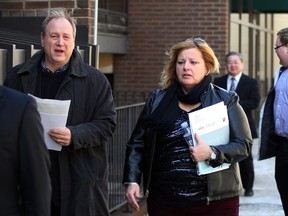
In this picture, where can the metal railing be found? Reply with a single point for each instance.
(124, 98)
(127, 117)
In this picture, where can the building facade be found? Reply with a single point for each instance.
(133, 35)
(147, 30)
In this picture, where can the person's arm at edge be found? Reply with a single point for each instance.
(35, 185)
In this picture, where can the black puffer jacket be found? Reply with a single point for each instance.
(222, 184)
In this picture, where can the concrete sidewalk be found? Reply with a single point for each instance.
(266, 200)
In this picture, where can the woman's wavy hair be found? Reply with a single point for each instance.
(168, 74)
(59, 13)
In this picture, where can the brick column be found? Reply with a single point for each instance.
(154, 25)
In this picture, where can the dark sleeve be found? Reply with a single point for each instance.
(133, 166)
(35, 186)
(100, 126)
(13, 80)
(251, 99)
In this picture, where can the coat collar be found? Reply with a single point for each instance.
(76, 68)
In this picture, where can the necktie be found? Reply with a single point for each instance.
(232, 87)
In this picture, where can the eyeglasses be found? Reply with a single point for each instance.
(278, 46)
(196, 40)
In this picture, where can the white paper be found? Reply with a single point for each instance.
(212, 125)
(53, 114)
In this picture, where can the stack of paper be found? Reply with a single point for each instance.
(212, 125)
(53, 114)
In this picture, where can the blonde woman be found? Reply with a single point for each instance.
(157, 150)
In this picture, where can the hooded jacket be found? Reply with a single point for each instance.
(91, 120)
(222, 184)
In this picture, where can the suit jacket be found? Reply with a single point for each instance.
(25, 187)
(249, 96)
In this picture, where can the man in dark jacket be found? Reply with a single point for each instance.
(249, 97)
(25, 187)
(79, 172)
(273, 124)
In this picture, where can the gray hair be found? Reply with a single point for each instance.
(59, 13)
(233, 53)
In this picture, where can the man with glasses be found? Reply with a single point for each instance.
(249, 98)
(274, 120)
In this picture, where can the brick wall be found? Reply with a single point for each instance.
(83, 10)
(154, 25)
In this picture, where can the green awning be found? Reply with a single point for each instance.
(264, 6)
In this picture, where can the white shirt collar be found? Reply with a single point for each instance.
(237, 77)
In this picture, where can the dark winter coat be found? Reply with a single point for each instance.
(92, 121)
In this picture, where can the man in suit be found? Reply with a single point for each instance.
(24, 159)
(247, 89)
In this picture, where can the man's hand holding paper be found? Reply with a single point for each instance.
(62, 136)
(54, 115)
